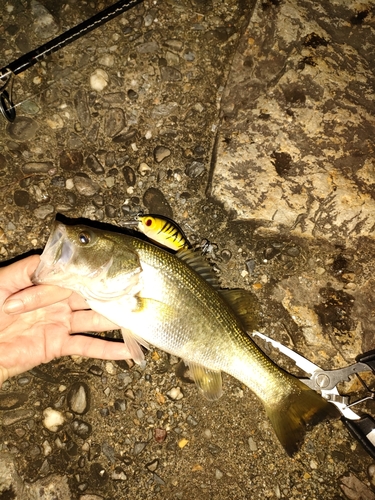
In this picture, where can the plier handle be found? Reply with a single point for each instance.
(362, 427)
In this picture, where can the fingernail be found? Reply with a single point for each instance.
(13, 306)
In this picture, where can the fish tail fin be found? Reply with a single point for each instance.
(297, 413)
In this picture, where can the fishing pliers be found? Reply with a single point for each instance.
(362, 427)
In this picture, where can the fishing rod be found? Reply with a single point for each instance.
(7, 108)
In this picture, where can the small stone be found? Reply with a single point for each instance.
(44, 211)
(37, 167)
(175, 394)
(143, 169)
(12, 400)
(195, 169)
(152, 466)
(82, 108)
(99, 80)
(53, 419)
(160, 153)
(218, 474)
(120, 404)
(170, 74)
(79, 398)
(118, 474)
(252, 444)
(156, 203)
(182, 443)
(22, 129)
(163, 110)
(14, 416)
(21, 198)
(107, 60)
(191, 421)
(139, 447)
(114, 122)
(44, 24)
(84, 185)
(55, 122)
(148, 47)
(94, 165)
(160, 435)
(81, 428)
(140, 414)
(71, 160)
(129, 175)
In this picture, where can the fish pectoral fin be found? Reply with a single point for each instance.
(245, 305)
(209, 382)
(131, 343)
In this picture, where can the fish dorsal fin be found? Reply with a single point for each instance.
(200, 266)
(131, 343)
(245, 305)
(209, 382)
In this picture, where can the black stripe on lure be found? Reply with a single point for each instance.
(164, 231)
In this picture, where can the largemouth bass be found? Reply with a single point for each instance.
(171, 302)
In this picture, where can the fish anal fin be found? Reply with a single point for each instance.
(209, 382)
(245, 305)
(297, 413)
(131, 343)
(200, 265)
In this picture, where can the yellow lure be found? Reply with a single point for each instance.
(163, 230)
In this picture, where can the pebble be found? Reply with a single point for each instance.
(152, 466)
(170, 74)
(218, 474)
(22, 129)
(81, 428)
(44, 24)
(84, 185)
(44, 211)
(94, 164)
(195, 169)
(37, 167)
(371, 475)
(118, 474)
(53, 419)
(79, 398)
(99, 80)
(160, 435)
(156, 203)
(175, 394)
(107, 60)
(21, 198)
(14, 416)
(148, 47)
(139, 446)
(129, 176)
(120, 404)
(114, 122)
(143, 169)
(252, 444)
(160, 153)
(71, 160)
(163, 110)
(12, 400)
(82, 108)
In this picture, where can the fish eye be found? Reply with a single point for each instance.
(148, 222)
(84, 237)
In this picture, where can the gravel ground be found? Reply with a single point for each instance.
(125, 120)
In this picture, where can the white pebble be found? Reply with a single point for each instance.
(53, 419)
(143, 169)
(107, 60)
(99, 80)
(175, 393)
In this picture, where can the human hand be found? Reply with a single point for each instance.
(36, 323)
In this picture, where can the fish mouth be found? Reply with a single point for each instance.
(56, 255)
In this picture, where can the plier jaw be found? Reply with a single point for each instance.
(362, 427)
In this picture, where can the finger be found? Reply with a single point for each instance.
(90, 321)
(16, 276)
(94, 348)
(35, 297)
(76, 302)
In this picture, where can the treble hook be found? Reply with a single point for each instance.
(7, 108)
